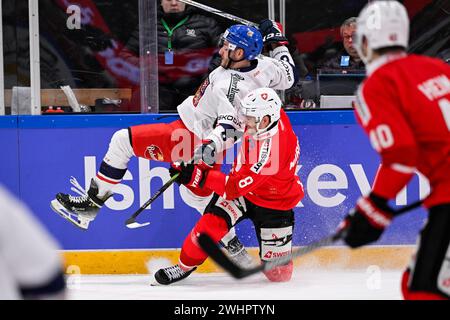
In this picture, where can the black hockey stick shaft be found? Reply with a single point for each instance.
(153, 198)
(220, 13)
(211, 248)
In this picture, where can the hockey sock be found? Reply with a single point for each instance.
(115, 162)
(214, 226)
(280, 273)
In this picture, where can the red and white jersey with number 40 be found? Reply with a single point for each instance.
(404, 107)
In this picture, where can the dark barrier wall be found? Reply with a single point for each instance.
(40, 154)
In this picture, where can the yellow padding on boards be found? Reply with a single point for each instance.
(135, 261)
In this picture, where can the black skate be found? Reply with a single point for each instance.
(79, 210)
(171, 274)
(238, 254)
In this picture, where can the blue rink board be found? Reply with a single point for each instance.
(41, 153)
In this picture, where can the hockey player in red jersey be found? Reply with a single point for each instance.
(262, 186)
(208, 117)
(404, 107)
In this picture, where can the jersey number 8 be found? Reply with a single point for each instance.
(245, 182)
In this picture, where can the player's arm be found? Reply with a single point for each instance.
(284, 72)
(390, 135)
(228, 129)
(380, 114)
(235, 184)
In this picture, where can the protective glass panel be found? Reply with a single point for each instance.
(83, 64)
(330, 70)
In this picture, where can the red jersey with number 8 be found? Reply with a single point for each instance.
(265, 171)
(404, 107)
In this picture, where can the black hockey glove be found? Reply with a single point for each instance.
(367, 221)
(272, 33)
(205, 155)
(189, 174)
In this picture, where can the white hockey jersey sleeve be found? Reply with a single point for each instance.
(228, 123)
(284, 74)
(29, 256)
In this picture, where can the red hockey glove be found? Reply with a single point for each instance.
(272, 32)
(367, 221)
(189, 174)
(205, 155)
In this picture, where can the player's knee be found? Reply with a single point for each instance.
(280, 273)
(121, 140)
(214, 226)
(198, 201)
(418, 293)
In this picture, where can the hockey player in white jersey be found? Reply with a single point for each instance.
(30, 265)
(208, 124)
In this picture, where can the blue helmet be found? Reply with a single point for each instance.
(245, 37)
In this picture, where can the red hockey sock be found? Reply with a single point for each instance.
(417, 295)
(280, 273)
(214, 226)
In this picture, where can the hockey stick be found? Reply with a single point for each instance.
(211, 248)
(131, 222)
(219, 13)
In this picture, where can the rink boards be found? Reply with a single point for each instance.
(40, 154)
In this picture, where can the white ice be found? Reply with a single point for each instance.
(320, 284)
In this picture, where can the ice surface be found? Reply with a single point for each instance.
(321, 284)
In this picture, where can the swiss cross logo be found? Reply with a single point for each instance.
(264, 96)
(393, 37)
(446, 282)
(268, 255)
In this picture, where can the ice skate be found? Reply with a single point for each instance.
(238, 254)
(171, 274)
(79, 210)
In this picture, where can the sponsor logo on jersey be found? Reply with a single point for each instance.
(287, 68)
(154, 152)
(233, 89)
(263, 156)
(200, 92)
(230, 118)
(198, 175)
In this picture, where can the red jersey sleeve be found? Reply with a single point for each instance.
(380, 113)
(246, 175)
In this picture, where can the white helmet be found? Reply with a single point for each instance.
(260, 103)
(383, 24)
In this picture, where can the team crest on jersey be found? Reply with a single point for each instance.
(154, 152)
(200, 92)
(264, 96)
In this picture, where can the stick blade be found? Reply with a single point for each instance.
(133, 224)
(211, 248)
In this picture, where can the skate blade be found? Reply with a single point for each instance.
(63, 212)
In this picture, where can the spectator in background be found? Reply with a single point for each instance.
(186, 42)
(346, 60)
(30, 264)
